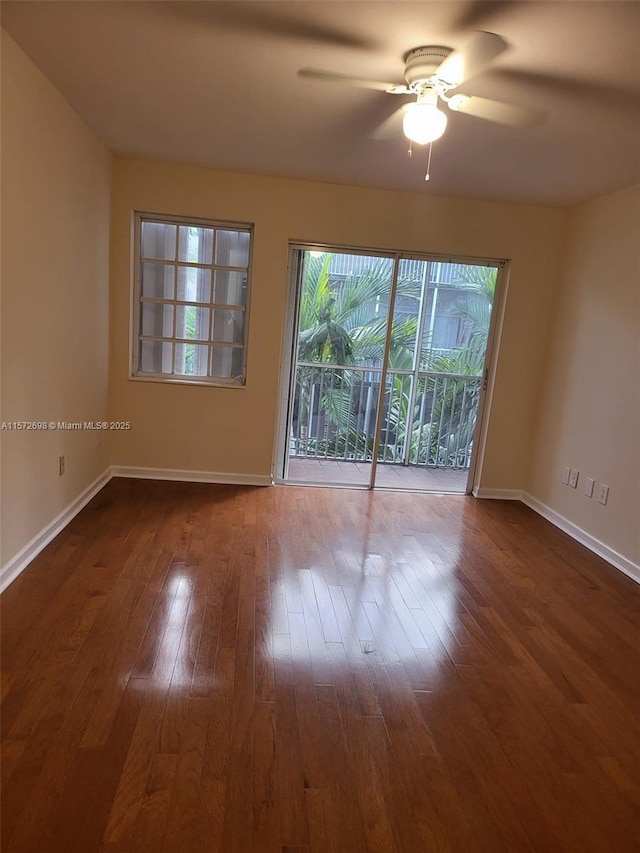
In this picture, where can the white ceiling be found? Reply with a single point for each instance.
(214, 83)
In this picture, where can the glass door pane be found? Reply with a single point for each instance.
(339, 345)
(430, 411)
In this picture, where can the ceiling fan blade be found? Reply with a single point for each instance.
(470, 59)
(494, 110)
(619, 96)
(361, 82)
(391, 126)
(261, 18)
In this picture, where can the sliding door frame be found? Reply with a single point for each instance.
(290, 337)
(489, 376)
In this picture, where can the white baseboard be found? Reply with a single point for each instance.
(10, 571)
(617, 560)
(191, 476)
(498, 494)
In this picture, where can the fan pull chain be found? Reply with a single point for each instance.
(409, 150)
(426, 177)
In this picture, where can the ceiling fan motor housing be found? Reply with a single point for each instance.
(422, 63)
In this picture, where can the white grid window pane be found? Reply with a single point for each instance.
(192, 322)
(158, 241)
(191, 300)
(155, 356)
(195, 244)
(157, 281)
(157, 320)
(228, 326)
(230, 288)
(232, 248)
(194, 284)
(191, 360)
(226, 362)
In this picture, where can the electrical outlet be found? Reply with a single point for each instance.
(61, 466)
(573, 478)
(589, 483)
(566, 473)
(603, 494)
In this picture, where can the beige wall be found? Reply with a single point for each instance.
(232, 430)
(590, 401)
(566, 387)
(55, 233)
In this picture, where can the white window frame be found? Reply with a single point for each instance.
(135, 373)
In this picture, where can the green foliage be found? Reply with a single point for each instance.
(346, 325)
(474, 307)
(190, 332)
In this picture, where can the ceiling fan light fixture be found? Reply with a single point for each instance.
(424, 122)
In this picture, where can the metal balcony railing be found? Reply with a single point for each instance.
(428, 418)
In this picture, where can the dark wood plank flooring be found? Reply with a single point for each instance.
(212, 668)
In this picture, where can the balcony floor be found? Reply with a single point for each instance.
(320, 471)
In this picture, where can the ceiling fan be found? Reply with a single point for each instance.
(430, 73)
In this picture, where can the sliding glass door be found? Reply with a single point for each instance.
(387, 370)
(435, 376)
(335, 389)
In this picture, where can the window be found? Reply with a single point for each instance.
(191, 281)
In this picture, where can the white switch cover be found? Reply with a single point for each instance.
(566, 472)
(603, 494)
(573, 478)
(589, 483)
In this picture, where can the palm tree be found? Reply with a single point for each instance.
(457, 399)
(344, 323)
(474, 307)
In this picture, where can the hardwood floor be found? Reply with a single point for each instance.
(212, 668)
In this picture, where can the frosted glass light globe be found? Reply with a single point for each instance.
(424, 123)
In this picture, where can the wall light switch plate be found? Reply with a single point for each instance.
(573, 478)
(589, 483)
(566, 473)
(603, 494)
